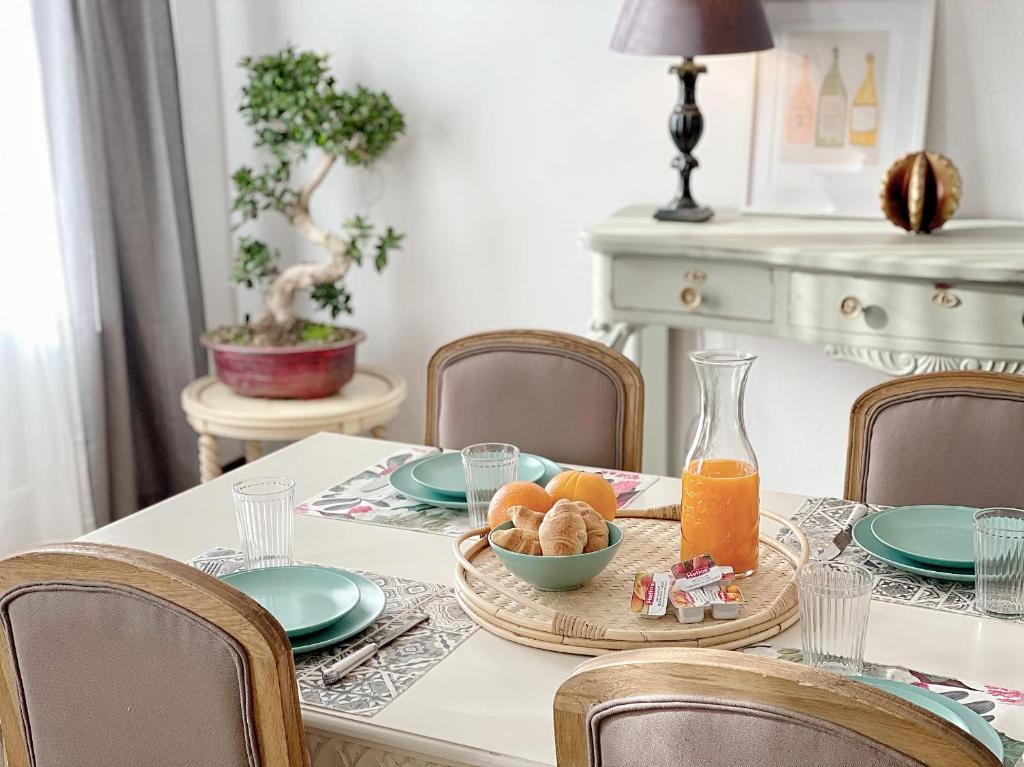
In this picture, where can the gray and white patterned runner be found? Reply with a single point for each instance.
(368, 689)
(822, 518)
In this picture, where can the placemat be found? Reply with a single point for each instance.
(822, 518)
(370, 688)
(1001, 707)
(368, 497)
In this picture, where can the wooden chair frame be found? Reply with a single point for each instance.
(604, 358)
(275, 702)
(871, 403)
(875, 714)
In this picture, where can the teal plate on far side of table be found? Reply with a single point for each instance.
(866, 539)
(936, 535)
(402, 480)
(952, 711)
(303, 598)
(444, 473)
(371, 605)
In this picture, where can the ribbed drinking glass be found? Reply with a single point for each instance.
(488, 466)
(264, 510)
(999, 562)
(834, 602)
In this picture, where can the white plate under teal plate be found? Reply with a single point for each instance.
(866, 539)
(402, 480)
(371, 605)
(444, 473)
(952, 711)
(303, 598)
(936, 535)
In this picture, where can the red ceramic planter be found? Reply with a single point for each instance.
(286, 372)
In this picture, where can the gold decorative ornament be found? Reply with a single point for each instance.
(921, 191)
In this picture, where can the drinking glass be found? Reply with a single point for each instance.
(264, 510)
(834, 601)
(488, 466)
(999, 562)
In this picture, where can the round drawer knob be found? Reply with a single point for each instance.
(690, 298)
(944, 299)
(851, 307)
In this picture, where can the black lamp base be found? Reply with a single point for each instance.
(693, 214)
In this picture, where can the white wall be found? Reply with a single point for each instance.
(524, 127)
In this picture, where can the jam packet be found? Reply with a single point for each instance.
(695, 573)
(725, 600)
(689, 606)
(650, 594)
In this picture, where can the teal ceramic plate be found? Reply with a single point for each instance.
(371, 605)
(937, 535)
(551, 470)
(302, 598)
(967, 720)
(402, 480)
(444, 474)
(866, 540)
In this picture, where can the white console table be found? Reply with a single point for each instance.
(865, 290)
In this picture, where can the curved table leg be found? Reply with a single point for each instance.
(209, 461)
(253, 450)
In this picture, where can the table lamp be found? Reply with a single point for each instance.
(689, 28)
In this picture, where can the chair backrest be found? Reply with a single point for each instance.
(114, 656)
(948, 438)
(665, 707)
(554, 394)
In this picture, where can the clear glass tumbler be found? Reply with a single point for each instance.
(999, 562)
(264, 510)
(488, 466)
(834, 602)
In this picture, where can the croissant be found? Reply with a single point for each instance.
(519, 541)
(597, 530)
(562, 533)
(525, 518)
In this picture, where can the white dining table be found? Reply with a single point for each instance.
(489, 702)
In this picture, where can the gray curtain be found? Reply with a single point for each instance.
(127, 241)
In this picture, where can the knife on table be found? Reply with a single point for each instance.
(842, 540)
(334, 673)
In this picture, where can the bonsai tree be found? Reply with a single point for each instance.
(295, 109)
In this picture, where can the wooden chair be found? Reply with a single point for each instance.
(672, 706)
(114, 656)
(554, 394)
(949, 438)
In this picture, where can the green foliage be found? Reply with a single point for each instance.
(315, 332)
(334, 297)
(254, 262)
(293, 105)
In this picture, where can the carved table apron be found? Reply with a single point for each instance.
(864, 290)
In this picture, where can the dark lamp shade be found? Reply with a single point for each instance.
(691, 27)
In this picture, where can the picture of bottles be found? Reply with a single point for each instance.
(830, 128)
(864, 109)
(800, 111)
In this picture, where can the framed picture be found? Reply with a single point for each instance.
(843, 94)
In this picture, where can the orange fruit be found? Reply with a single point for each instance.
(587, 487)
(518, 493)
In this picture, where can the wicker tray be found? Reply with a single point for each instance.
(596, 618)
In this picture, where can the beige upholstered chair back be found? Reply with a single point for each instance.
(951, 438)
(568, 398)
(111, 656)
(666, 707)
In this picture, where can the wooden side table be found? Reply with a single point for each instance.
(367, 403)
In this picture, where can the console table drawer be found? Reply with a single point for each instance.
(907, 309)
(693, 287)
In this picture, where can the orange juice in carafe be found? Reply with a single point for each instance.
(719, 509)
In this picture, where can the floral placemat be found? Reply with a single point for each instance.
(372, 686)
(368, 497)
(999, 706)
(822, 518)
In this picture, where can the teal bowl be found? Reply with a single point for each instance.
(558, 573)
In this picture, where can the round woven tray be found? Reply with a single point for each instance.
(596, 618)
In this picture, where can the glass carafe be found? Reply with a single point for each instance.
(719, 512)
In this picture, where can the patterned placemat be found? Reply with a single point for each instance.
(371, 687)
(368, 497)
(822, 518)
(1001, 707)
